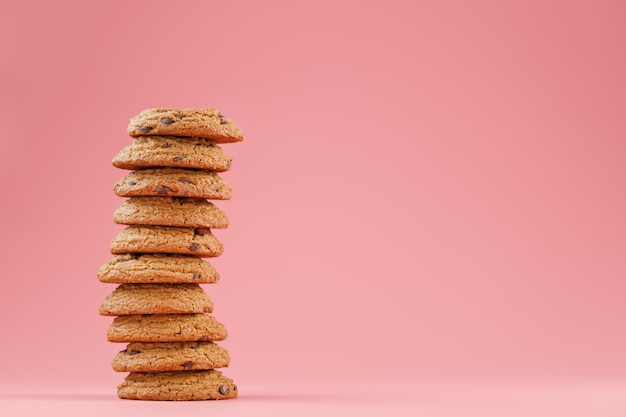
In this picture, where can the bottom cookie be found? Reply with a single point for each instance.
(177, 386)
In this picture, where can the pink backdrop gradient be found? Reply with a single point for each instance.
(427, 190)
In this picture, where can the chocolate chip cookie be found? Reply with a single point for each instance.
(170, 151)
(156, 299)
(157, 268)
(198, 123)
(177, 386)
(172, 356)
(166, 328)
(174, 182)
(172, 240)
(170, 211)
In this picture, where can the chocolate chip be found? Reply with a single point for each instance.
(194, 247)
(220, 115)
(162, 190)
(187, 365)
(200, 231)
(196, 275)
(224, 122)
(185, 181)
(131, 183)
(166, 145)
(179, 158)
(145, 129)
(223, 389)
(134, 352)
(167, 121)
(228, 163)
(234, 387)
(180, 116)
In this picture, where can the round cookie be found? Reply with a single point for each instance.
(170, 151)
(161, 239)
(177, 386)
(156, 299)
(166, 328)
(198, 123)
(173, 356)
(170, 211)
(174, 182)
(163, 268)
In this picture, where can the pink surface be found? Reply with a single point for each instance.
(429, 399)
(427, 190)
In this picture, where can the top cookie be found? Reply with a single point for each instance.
(197, 123)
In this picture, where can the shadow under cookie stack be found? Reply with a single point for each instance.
(162, 311)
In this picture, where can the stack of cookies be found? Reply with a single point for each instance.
(162, 312)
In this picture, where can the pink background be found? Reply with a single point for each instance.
(428, 191)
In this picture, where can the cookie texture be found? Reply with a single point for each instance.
(136, 268)
(172, 356)
(200, 123)
(166, 328)
(156, 299)
(175, 182)
(177, 386)
(170, 211)
(169, 151)
(161, 239)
